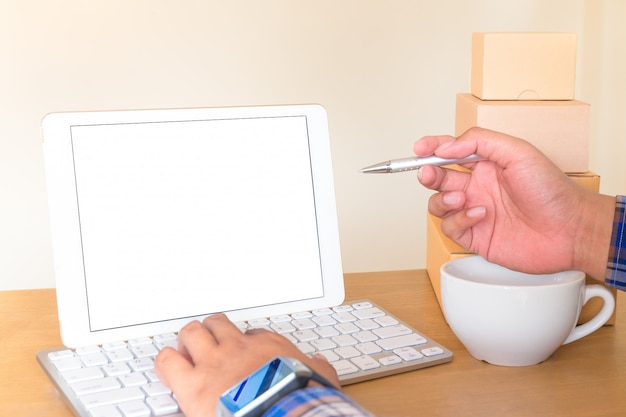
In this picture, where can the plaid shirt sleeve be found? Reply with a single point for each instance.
(616, 266)
(316, 402)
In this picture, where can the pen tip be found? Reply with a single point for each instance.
(375, 169)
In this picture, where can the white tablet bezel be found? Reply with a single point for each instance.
(66, 238)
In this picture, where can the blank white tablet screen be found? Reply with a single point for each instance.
(180, 219)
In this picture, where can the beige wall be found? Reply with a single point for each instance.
(386, 71)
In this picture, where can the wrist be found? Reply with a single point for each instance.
(593, 237)
(258, 392)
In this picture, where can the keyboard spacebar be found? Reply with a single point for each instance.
(112, 397)
(401, 341)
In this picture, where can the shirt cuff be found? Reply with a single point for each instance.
(616, 266)
(317, 402)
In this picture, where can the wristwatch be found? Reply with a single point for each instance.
(262, 389)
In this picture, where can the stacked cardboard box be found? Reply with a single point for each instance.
(522, 84)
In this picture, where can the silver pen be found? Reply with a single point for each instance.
(408, 164)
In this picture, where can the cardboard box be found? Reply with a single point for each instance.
(560, 129)
(441, 249)
(523, 66)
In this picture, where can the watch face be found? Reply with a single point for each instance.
(272, 375)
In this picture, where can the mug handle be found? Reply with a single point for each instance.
(602, 317)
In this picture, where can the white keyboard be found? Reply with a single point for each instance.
(360, 339)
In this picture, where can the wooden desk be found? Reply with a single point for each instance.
(585, 378)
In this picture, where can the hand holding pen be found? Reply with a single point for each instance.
(519, 209)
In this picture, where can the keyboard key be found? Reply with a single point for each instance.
(392, 331)
(344, 317)
(329, 355)
(140, 341)
(282, 327)
(156, 388)
(365, 363)
(432, 351)
(60, 354)
(347, 352)
(386, 321)
(324, 321)
(280, 318)
(365, 336)
(322, 312)
(120, 355)
(408, 354)
(115, 369)
(344, 367)
(256, 323)
(302, 315)
(368, 348)
(68, 364)
(303, 324)
(167, 343)
(241, 325)
(305, 335)
(134, 379)
(369, 313)
(83, 374)
(112, 397)
(145, 351)
(114, 345)
(305, 348)
(367, 324)
(136, 408)
(151, 375)
(327, 331)
(323, 344)
(345, 340)
(165, 337)
(98, 385)
(141, 364)
(162, 404)
(390, 360)
(87, 350)
(362, 305)
(343, 308)
(347, 328)
(94, 359)
(401, 341)
(106, 411)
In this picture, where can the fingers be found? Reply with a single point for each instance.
(222, 329)
(320, 363)
(442, 179)
(427, 145)
(443, 204)
(194, 340)
(458, 225)
(172, 367)
(497, 147)
(494, 146)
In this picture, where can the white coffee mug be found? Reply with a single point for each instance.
(510, 318)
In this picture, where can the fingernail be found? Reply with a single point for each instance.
(419, 173)
(444, 146)
(451, 198)
(320, 356)
(476, 211)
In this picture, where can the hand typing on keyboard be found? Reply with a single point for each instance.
(214, 355)
(118, 379)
